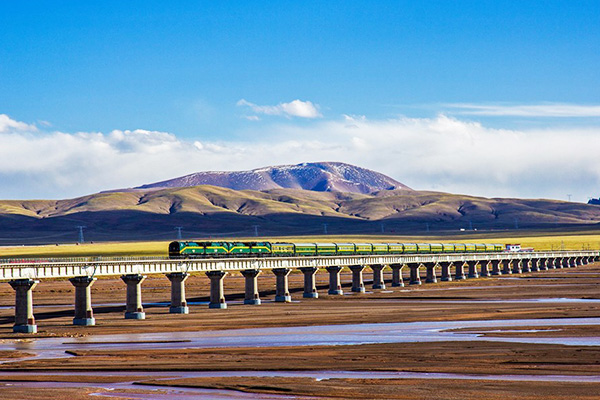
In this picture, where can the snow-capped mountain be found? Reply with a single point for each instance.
(320, 177)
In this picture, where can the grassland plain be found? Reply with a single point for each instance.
(537, 240)
(214, 211)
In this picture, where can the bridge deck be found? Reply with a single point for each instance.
(115, 266)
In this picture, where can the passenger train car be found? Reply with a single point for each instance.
(191, 249)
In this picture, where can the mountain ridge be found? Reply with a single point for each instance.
(340, 199)
(205, 211)
(318, 176)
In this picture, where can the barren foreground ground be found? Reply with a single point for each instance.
(476, 299)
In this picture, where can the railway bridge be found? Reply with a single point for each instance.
(24, 274)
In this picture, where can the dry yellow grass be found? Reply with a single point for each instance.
(88, 249)
(159, 248)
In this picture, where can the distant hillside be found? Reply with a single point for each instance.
(205, 211)
(320, 177)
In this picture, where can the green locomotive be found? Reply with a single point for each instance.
(191, 249)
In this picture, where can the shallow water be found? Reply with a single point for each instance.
(152, 392)
(408, 332)
(431, 331)
(317, 375)
(157, 392)
(502, 301)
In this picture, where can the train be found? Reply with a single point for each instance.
(202, 249)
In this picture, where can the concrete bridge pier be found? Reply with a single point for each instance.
(378, 282)
(506, 267)
(251, 295)
(358, 286)
(517, 266)
(484, 269)
(217, 294)
(24, 320)
(335, 286)
(446, 276)
(535, 265)
(543, 264)
(496, 267)
(84, 315)
(566, 262)
(585, 260)
(178, 301)
(525, 265)
(558, 263)
(473, 269)
(573, 262)
(282, 291)
(430, 268)
(415, 276)
(397, 280)
(310, 286)
(459, 267)
(133, 307)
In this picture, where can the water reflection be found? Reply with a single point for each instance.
(408, 332)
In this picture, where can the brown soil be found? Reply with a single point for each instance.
(10, 355)
(451, 357)
(443, 301)
(397, 388)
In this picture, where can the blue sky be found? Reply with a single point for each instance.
(211, 75)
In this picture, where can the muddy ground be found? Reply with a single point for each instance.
(462, 300)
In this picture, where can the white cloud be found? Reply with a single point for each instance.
(531, 110)
(7, 125)
(295, 108)
(441, 153)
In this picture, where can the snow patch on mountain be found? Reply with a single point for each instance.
(320, 177)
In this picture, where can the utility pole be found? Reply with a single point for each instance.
(81, 227)
(178, 229)
(516, 223)
(470, 225)
(325, 229)
(427, 226)
(382, 227)
(255, 230)
(569, 196)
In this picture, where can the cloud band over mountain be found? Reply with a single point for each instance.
(441, 153)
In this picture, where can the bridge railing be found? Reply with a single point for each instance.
(95, 260)
(75, 260)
